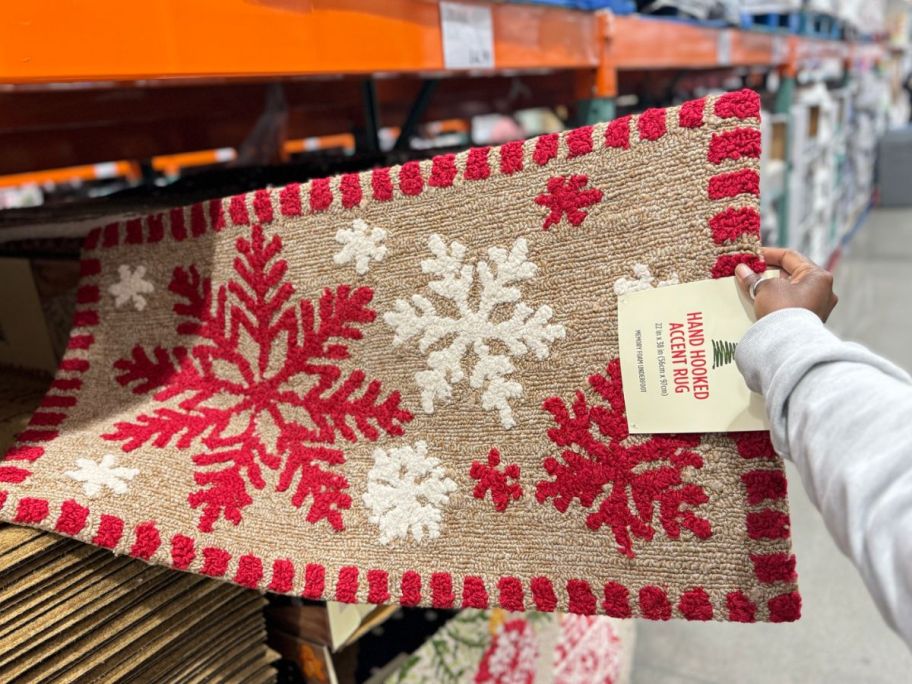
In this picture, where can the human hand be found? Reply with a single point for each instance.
(801, 283)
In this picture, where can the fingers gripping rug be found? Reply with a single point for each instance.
(403, 385)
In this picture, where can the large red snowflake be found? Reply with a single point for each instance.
(631, 480)
(259, 384)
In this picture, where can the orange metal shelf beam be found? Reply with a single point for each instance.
(225, 48)
(636, 42)
(87, 172)
(44, 41)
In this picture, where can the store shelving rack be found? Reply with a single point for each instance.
(82, 83)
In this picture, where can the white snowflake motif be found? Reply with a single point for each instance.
(132, 286)
(361, 244)
(406, 491)
(97, 476)
(643, 280)
(473, 326)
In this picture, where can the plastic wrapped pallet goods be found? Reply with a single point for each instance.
(769, 6)
(871, 119)
(821, 6)
(703, 10)
(867, 17)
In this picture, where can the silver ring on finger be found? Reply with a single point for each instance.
(753, 288)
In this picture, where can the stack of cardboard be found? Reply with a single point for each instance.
(72, 612)
(69, 612)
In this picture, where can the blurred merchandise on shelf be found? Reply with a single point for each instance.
(27, 195)
(722, 11)
(57, 228)
(812, 184)
(770, 15)
(867, 17)
(773, 168)
(616, 6)
(897, 24)
(833, 141)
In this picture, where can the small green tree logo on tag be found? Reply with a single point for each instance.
(723, 352)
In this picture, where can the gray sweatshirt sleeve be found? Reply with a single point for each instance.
(843, 415)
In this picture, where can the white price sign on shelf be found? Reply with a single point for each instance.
(724, 48)
(780, 49)
(468, 36)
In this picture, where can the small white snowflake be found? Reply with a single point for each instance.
(96, 476)
(132, 286)
(643, 280)
(474, 325)
(406, 490)
(361, 244)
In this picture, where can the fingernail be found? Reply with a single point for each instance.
(743, 271)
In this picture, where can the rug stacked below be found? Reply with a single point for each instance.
(489, 646)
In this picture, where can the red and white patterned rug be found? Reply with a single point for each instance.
(403, 386)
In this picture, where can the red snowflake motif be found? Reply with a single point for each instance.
(630, 479)
(565, 196)
(260, 385)
(498, 482)
(511, 657)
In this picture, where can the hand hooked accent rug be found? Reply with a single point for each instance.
(403, 386)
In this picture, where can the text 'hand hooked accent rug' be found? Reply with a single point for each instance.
(402, 386)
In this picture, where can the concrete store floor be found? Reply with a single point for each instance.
(841, 636)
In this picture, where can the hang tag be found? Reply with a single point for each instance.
(677, 347)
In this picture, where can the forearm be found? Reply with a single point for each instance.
(844, 416)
